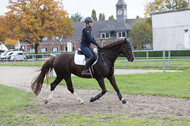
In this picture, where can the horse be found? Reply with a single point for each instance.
(63, 65)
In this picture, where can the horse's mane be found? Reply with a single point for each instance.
(111, 45)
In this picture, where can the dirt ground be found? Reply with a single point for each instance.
(65, 103)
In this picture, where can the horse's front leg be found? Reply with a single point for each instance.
(102, 85)
(111, 78)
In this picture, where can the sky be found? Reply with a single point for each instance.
(84, 7)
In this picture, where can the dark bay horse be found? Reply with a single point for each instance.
(64, 65)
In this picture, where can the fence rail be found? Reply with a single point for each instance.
(165, 60)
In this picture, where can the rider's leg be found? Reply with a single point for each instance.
(86, 67)
(90, 56)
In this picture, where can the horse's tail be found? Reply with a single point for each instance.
(38, 81)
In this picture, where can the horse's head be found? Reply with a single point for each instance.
(126, 50)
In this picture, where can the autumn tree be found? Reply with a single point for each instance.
(2, 28)
(140, 33)
(111, 17)
(32, 20)
(93, 15)
(6, 35)
(76, 17)
(164, 5)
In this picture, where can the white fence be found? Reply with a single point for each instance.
(41, 58)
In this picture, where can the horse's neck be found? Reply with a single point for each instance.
(112, 54)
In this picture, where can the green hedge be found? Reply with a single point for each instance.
(160, 53)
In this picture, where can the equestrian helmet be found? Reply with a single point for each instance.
(88, 19)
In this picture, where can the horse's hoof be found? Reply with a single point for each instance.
(81, 101)
(46, 101)
(92, 99)
(124, 101)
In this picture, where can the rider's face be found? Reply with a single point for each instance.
(90, 24)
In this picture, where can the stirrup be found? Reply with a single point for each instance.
(85, 72)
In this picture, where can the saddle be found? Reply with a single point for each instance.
(80, 58)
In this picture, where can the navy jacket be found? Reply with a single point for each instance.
(87, 38)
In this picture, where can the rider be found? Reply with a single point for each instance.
(86, 40)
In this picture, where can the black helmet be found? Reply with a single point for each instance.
(88, 19)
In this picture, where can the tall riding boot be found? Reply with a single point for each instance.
(86, 67)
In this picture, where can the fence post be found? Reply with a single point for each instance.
(23, 59)
(147, 58)
(164, 69)
(15, 59)
(169, 56)
(6, 60)
(52, 73)
(32, 58)
(42, 58)
(126, 62)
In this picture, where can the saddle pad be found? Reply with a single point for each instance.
(80, 59)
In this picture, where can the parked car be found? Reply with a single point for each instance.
(18, 55)
(2, 54)
(6, 56)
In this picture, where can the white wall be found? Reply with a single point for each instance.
(171, 30)
(171, 19)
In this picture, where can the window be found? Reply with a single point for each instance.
(43, 49)
(45, 38)
(104, 35)
(54, 49)
(121, 34)
(31, 50)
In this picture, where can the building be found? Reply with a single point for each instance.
(171, 29)
(102, 31)
(3, 47)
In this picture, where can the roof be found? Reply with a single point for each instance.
(98, 27)
(171, 11)
(102, 26)
(121, 2)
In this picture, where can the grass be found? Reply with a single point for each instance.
(11, 98)
(13, 103)
(172, 84)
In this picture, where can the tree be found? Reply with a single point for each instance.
(3, 29)
(101, 16)
(164, 5)
(76, 17)
(10, 41)
(140, 33)
(111, 17)
(176, 4)
(32, 20)
(93, 15)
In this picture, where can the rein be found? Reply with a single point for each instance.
(102, 53)
(105, 58)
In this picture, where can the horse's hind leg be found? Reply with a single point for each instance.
(103, 87)
(52, 87)
(70, 88)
